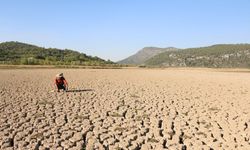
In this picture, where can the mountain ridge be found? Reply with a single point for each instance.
(219, 55)
(144, 54)
(13, 52)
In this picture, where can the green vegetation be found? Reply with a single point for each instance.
(16, 53)
(223, 55)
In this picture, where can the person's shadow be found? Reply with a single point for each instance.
(75, 90)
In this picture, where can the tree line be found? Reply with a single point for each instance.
(17, 53)
(223, 55)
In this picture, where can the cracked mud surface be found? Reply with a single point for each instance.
(125, 109)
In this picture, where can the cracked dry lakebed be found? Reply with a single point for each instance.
(116, 109)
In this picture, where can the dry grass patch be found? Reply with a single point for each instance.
(121, 129)
(202, 133)
(139, 118)
(116, 115)
(134, 96)
(37, 136)
(153, 140)
(214, 109)
(81, 117)
(187, 136)
(171, 133)
(208, 126)
(38, 115)
(45, 102)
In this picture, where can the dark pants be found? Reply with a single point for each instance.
(61, 86)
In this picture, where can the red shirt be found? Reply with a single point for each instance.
(60, 81)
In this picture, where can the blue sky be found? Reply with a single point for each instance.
(115, 29)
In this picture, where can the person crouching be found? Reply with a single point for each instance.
(60, 82)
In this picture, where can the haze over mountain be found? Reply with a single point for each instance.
(144, 54)
(27, 54)
(221, 55)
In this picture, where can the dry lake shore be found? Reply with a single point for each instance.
(125, 109)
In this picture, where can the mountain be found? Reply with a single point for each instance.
(146, 53)
(222, 55)
(22, 53)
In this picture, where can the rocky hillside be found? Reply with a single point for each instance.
(146, 53)
(26, 54)
(223, 55)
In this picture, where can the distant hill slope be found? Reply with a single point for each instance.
(223, 55)
(141, 56)
(22, 53)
